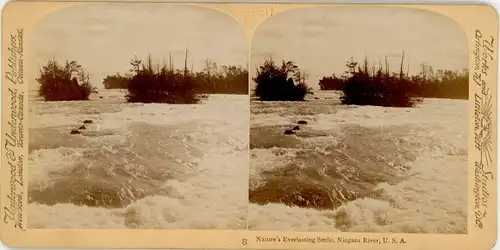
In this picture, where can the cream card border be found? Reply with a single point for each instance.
(18, 20)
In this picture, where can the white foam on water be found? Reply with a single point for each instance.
(44, 161)
(265, 160)
(51, 114)
(213, 196)
(431, 199)
(216, 198)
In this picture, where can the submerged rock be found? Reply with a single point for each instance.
(296, 128)
(74, 132)
(87, 121)
(289, 132)
(301, 122)
(82, 127)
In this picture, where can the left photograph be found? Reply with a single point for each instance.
(138, 118)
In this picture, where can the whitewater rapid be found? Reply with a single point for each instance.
(351, 168)
(138, 165)
(359, 168)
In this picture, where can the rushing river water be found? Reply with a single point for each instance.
(138, 165)
(350, 168)
(358, 168)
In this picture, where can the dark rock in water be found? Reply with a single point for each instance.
(317, 98)
(296, 128)
(75, 132)
(82, 127)
(301, 122)
(101, 97)
(289, 132)
(88, 121)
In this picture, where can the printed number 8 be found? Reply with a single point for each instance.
(244, 241)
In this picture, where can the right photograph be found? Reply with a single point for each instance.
(359, 121)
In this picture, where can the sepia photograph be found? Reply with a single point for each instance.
(235, 125)
(359, 121)
(138, 118)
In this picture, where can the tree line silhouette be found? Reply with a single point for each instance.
(64, 82)
(285, 82)
(147, 81)
(361, 84)
(213, 79)
(367, 85)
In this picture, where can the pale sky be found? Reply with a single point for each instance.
(321, 39)
(103, 38)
